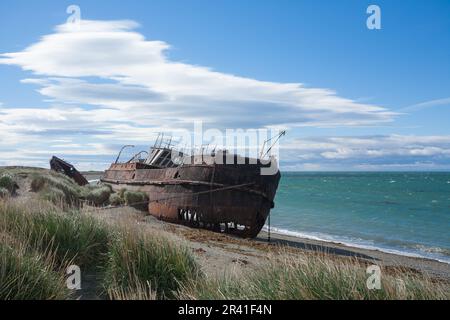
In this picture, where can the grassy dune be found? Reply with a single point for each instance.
(40, 237)
(43, 241)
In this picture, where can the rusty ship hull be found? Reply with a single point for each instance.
(234, 199)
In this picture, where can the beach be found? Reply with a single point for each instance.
(222, 253)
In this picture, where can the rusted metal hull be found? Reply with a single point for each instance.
(59, 165)
(234, 199)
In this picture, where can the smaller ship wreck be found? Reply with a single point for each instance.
(61, 166)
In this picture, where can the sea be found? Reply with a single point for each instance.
(406, 213)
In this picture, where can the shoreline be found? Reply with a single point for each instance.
(393, 251)
(429, 266)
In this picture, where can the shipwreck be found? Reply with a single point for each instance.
(217, 191)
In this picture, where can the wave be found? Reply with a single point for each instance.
(415, 251)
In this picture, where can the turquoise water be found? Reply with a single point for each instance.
(406, 213)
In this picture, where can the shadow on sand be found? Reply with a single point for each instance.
(322, 248)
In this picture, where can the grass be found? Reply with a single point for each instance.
(138, 290)
(29, 276)
(52, 236)
(314, 277)
(140, 261)
(135, 198)
(60, 189)
(99, 195)
(4, 193)
(69, 235)
(116, 200)
(7, 183)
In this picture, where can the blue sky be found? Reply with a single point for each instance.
(368, 99)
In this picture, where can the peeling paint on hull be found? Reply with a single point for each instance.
(234, 199)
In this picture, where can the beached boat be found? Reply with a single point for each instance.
(62, 166)
(216, 191)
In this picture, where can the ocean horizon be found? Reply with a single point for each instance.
(406, 213)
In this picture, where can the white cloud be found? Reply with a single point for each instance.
(427, 104)
(370, 152)
(128, 72)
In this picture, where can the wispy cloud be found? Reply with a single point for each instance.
(427, 104)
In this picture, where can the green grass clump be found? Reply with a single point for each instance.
(71, 236)
(314, 277)
(55, 196)
(116, 200)
(60, 189)
(38, 183)
(47, 183)
(99, 196)
(4, 193)
(135, 198)
(29, 276)
(7, 182)
(139, 260)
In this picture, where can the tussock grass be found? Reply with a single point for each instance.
(138, 260)
(57, 188)
(62, 190)
(135, 197)
(99, 195)
(133, 265)
(29, 276)
(54, 195)
(138, 290)
(71, 236)
(8, 183)
(116, 200)
(4, 193)
(312, 277)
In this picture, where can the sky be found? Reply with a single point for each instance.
(349, 97)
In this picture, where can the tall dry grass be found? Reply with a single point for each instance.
(70, 235)
(43, 239)
(26, 275)
(314, 277)
(139, 260)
